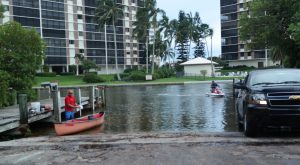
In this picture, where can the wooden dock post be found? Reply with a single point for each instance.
(38, 93)
(23, 108)
(56, 105)
(77, 93)
(233, 91)
(97, 94)
(91, 98)
(103, 95)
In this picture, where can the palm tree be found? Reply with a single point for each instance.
(173, 35)
(208, 32)
(109, 12)
(168, 28)
(141, 30)
(192, 29)
(153, 13)
(161, 47)
(78, 59)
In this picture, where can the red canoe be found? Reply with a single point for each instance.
(79, 124)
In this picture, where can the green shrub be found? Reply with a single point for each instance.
(46, 68)
(137, 76)
(4, 83)
(72, 68)
(92, 78)
(164, 72)
(44, 74)
(67, 74)
(94, 73)
(178, 67)
(130, 70)
(11, 97)
(155, 76)
(124, 76)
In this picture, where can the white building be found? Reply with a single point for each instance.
(68, 28)
(195, 66)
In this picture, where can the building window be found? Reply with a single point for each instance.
(81, 50)
(79, 16)
(126, 29)
(80, 33)
(71, 41)
(79, 8)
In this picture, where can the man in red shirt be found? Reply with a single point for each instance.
(70, 105)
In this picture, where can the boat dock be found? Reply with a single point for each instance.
(16, 116)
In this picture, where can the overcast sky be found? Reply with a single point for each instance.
(209, 11)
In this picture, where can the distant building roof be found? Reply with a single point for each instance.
(198, 61)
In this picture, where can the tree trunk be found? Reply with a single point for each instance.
(174, 58)
(147, 55)
(153, 55)
(116, 52)
(106, 60)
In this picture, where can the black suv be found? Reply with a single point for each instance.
(268, 98)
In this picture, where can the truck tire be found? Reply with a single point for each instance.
(239, 120)
(249, 126)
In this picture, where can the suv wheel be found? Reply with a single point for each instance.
(249, 126)
(239, 121)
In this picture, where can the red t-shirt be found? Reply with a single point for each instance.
(69, 100)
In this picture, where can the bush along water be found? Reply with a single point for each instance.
(139, 75)
(92, 78)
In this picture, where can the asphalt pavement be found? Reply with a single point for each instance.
(153, 149)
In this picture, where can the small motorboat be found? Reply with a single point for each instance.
(79, 124)
(216, 93)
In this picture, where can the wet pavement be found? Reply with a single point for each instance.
(152, 148)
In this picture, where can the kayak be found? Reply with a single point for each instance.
(79, 124)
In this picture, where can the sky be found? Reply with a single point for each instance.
(209, 11)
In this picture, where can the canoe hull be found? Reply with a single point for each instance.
(78, 125)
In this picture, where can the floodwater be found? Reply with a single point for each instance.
(172, 108)
(164, 108)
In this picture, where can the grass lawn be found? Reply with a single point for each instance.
(62, 80)
(77, 80)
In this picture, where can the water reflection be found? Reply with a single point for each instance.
(170, 108)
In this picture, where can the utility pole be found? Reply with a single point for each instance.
(211, 62)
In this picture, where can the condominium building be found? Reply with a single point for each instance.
(234, 50)
(68, 28)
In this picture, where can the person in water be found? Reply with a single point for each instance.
(213, 86)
